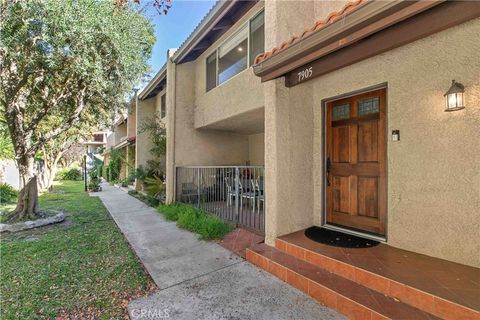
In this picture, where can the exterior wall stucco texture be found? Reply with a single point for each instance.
(145, 111)
(256, 149)
(120, 132)
(132, 120)
(288, 131)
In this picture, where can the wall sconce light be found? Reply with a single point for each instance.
(454, 97)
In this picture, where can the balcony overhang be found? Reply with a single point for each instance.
(125, 141)
(250, 122)
(373, 28)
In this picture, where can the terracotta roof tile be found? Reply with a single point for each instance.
(332, 17)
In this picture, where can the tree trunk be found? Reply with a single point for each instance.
(27, 203)
(45, 180)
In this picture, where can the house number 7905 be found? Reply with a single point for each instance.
(305, 74)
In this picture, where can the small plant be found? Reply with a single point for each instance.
(94, 185)
(124, 182)
(209, 227)
(72, 174)
(140, 173)
(170, 212)
(7, 193)
(155, 186)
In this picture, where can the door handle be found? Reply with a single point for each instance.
(327, 174)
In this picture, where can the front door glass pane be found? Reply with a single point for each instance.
(367, 106)
(341, 112)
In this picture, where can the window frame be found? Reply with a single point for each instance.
(249, 65)
(163, 106)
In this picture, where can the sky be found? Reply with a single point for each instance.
(174, 28)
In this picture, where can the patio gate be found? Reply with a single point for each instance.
(234, 193)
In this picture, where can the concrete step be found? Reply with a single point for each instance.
(339, 293)
(396, 273)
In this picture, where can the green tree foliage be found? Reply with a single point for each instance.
(114, 165)
(6, 147)
(158, 134)
(62, 62)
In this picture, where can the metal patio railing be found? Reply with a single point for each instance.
(233, 193)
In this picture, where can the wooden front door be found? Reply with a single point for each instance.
(356, 162)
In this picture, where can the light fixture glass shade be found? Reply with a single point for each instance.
(454, 97)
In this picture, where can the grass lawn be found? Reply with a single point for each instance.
(81, 268)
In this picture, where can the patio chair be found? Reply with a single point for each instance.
(250, 195)
(259, 191)
(189, 191)
(230, 192)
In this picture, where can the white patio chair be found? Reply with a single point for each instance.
(230, 192)
(259, 191)
(250, 195)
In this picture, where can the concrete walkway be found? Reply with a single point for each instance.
(200, 279)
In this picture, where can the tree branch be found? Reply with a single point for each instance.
(47, 105)
(74, 117)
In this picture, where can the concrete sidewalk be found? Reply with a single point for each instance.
(200, 279)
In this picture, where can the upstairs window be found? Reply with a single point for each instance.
(98, 137)
(237, 53)
(257, 36)
(163, 106)
(212, 71)
(233, 55)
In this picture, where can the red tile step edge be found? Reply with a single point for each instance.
(415, 297)
(346, 296)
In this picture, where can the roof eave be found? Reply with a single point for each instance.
(159, 77)
(337, 35)
(217, 12)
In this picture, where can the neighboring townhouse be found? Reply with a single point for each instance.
(97, 142)
(285, 115)
(95, 147)
(123, 139)
(215, 116)
(151, 106)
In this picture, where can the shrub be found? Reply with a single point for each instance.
(114, 165)
(140, 173)
(144, 198)
(170, 212)
(69, 174)
(94, 185)
(7, 193)
(207, 226)
(124, 182)
(155, 186)
(189, 219)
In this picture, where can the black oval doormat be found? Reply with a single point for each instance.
(338, 239)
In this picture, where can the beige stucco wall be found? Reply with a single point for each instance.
(120, 132)
(110, 140)
(240, 94)
(132, 119)
(256, 149)
(288, 131)
(145, 111)
(433, 172)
